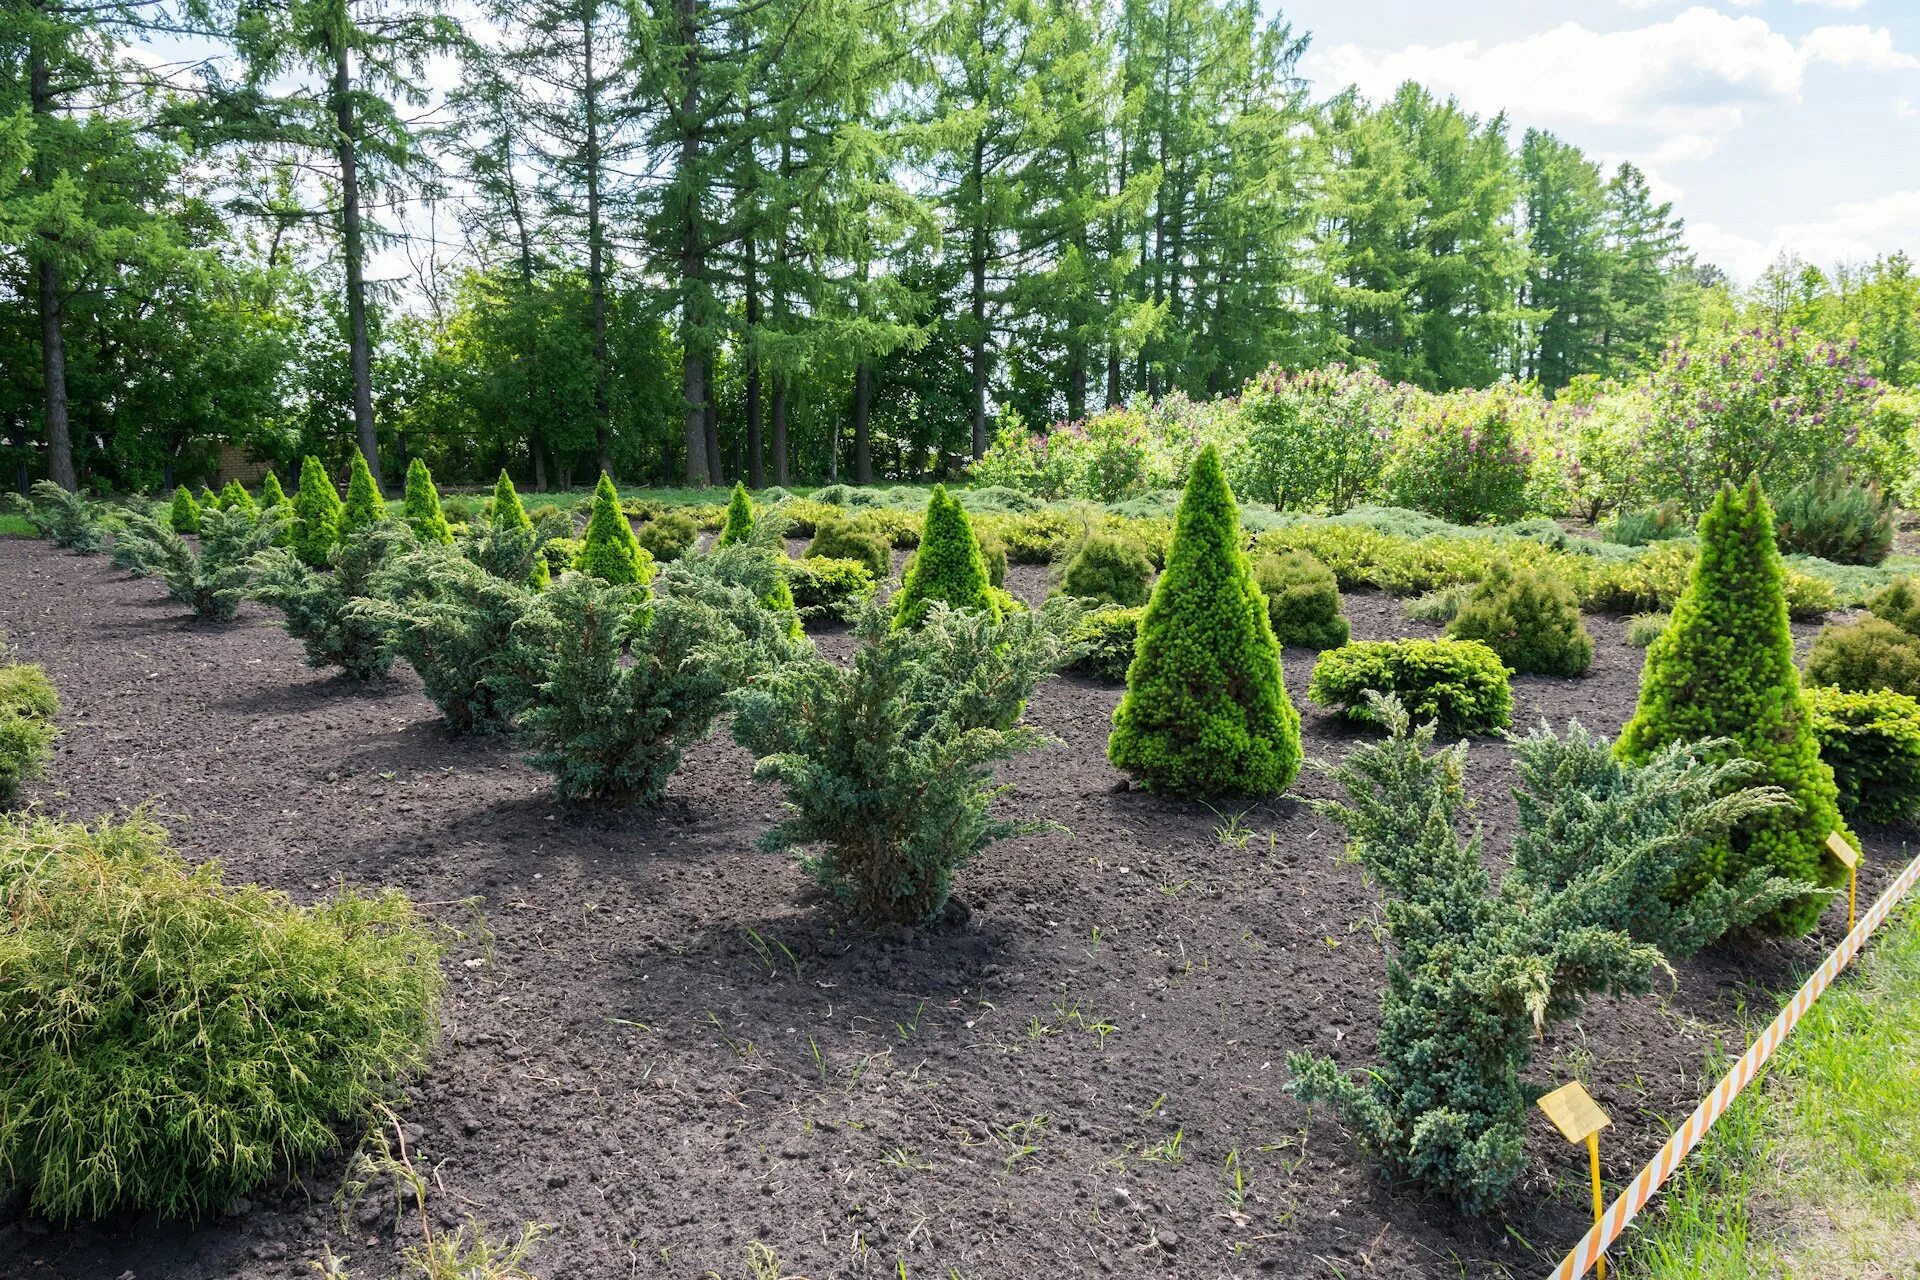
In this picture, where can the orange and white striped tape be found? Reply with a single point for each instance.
(1688, 1135)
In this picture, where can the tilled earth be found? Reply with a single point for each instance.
(665, 1045)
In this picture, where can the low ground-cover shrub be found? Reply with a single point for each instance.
(1871, 741)
(829, 588)
(887, 763)
(1438, 607)
(170, 1041)
(668, 536)
(1303, 600)
(843, 538)
(1530, 619)
(1652, 524)
(211, 581)
(1460, 683)
(1862, 656)
(1107, 567)
(28, 704)
(65, 519)
(1644, 628)
(1837, 518)
(1102, 643)
(1038, 538)
(320, 607)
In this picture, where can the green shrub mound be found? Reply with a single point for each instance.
(739, 525)
(171, 1042)
(948, 567)
(560, 553)
(421, 509)
(1462, 684)
(65, 519)
(1865, 655)
(610, 552)
(1475, 972)
(234, 497)
(211, 581)
(668, 536)
(1109, 568)
(1040, 538)
(184, 513)
(1837, 518)
(828, 588)
(208, 499)
(321, 608)
(1899, 603)
(1723, 669)
(1206, 711)
(316, 515)
(1530, 619)
(1102, 643)
(900, 528)
(271, 494)
(1439, 606)
(28, 704)
(887, 763)
(1644, 628)
(1653, 524)
(1871, 741)
(507, 516)
(1303, 600)
(849, 539)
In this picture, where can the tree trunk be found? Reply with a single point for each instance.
(53, 346)
(778, 425)
(359, 352)
(756, 470)
(596, 250)
(693, 390)
(1113, 377)
(977, 264)
(710, 425)
(862, 437)
(693, 260)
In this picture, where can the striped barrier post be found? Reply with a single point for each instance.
(1649, 1180)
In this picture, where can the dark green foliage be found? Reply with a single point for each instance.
(322, 609)
(28, 704)
(365, 507)
(184, 514)
(1528, 617)
(1865, 655)
(1871, 741)
(1206, 711)
(211, 581)
(668, 536)
(1836, 518)
(1303, 600)
(421, 510)
(1899, 603)
(234, 497)
(739, 525)
(887, 763)
(316, 515)
(172, 1042)
(1723, 669)
(851, 539)
(515, 552)
(271, 494)
(1460, 683)
(1476, 973)
(948, 566)
(826, 587)
(65, 519)
(1654, 524)
(612, 686)
(509, 517)
(1103, 643)
(1039, 538)
(1108, 567)
(610, 552)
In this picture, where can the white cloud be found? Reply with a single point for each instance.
(1845, 6)
(1848, 232)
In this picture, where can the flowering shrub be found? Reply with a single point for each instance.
(1317, 438)
(1461, 456)
(1584, 460)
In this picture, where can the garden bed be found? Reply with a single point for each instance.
(661, 1042)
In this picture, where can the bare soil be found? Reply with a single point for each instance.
(667, 1046)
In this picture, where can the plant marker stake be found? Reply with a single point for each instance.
(1850, 859)
(1579, 1119)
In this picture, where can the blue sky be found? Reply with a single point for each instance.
(1771, 124)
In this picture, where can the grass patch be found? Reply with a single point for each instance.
(16, 526)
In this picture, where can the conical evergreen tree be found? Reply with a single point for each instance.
(509, 514)
(422, 506)
(739, 525)
(1723, 668)
(271, 494)
(365, 507)
(610, 551)
(1206, 711)
(316, 514)
(184, 514)
(234, 497)
(209, 500)
(948, 566)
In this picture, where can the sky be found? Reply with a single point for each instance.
(1772, 125)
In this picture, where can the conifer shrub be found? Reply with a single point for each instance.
(1206, 711)
(173, 1042)
(1039, 538)
(828, 588)
(900, 528)
(1862, 656)
(1102, 643)
(843, 538)
(610, 552)
(668, 536)
(1303, 600)
(184, 514)
(994, 551)
(211, 581)
(28, 704)
(611, 686)
(421, 509)
(1652, 524)
(887, 763)
(321, 607)
(1476, 972)
(948, 566)
(739, 525)
(1108, 567)
(1899, 603)
(316, 515)
(364, 506)
(1439, 606)
(234, 497)
(1837, 518)
(1871, 741)
(1460, 683)
(560, 553)
(271, 494)
(803, 515)
(65, 519)
(1528, 617)
(1723, 669)
(209, 500)
(508, 517)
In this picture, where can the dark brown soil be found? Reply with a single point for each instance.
(664, 1044)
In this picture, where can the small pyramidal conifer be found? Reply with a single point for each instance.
(209, 500)
(949, 566)
(316, 514)
(739, 525)
(1723, 668)
(271, 494)
(508, 513)
(365, 507)
(234, 497)
(422, 506)
(184, 514)
(610, 551)
(1206, 711)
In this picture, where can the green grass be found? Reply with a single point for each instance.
(1815, 1171)
(12, 526)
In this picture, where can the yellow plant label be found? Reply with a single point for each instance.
(1574, 1112)
(1848, 855)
